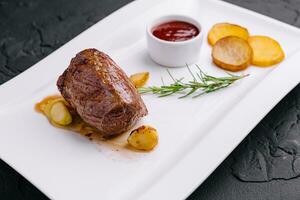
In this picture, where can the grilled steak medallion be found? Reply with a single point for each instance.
(101, 93)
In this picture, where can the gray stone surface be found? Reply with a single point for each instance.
(265, 166)
(259, 169)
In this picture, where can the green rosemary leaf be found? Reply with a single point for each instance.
(204, 84)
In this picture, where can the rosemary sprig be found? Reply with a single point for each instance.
(202, 83)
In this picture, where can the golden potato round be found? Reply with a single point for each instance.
(232, 53)
(60, 114)
(139, 79)
(222, 30)
(143, 138)
(266, 51)
(57, 112)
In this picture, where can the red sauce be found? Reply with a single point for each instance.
(175, 31)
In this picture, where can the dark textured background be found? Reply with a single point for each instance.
(265, 166)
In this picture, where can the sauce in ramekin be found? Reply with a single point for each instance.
(175, 31)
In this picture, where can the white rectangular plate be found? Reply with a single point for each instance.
(196, 135)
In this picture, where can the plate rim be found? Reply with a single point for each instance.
(113, 16)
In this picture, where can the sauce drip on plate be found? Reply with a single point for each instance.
(175, 31)
(77, 125)
(84, 129)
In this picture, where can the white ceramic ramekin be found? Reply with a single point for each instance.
(174, 54)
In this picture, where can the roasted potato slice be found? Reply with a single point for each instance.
(140, 79)
(143, 138)
(222, 30)
(57, 112)
(60, 114)
(41, 106)
(232, 53)
(48, 105)
(266, 51)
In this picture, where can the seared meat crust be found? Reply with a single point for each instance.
(101, 93)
